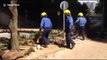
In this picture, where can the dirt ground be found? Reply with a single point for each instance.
(86, 49)
(83, 50)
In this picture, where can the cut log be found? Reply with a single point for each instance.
(20, 30)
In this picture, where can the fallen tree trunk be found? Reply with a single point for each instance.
(20, 30)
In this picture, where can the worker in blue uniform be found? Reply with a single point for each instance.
(68, 28)
(81, 22)
(45, 24)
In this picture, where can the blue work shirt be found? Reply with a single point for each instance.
(81, 21)
(45, 23)
(69, 22)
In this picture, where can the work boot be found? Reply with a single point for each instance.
(45, 46)
(72, 45)
(68, 46)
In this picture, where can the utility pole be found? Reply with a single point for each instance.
(64, 5)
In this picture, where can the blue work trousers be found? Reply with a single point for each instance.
(68, 38)
(45, 35)
(80, 31)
